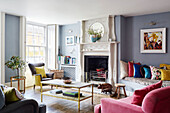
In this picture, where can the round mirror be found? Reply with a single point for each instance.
(98, 27)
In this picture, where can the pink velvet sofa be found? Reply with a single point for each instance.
(156, 101)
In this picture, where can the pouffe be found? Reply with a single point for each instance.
(42, 108)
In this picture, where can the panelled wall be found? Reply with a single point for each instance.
(12, 41)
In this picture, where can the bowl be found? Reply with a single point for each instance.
(67, 81)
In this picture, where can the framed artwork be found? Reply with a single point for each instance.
(69, 40)
(153, 40)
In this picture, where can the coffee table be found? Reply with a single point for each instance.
(77, 85)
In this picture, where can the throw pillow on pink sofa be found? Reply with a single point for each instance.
(139, 95)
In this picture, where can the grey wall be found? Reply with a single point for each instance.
(12, 31)
(65, 50)
(63, 32)
(130, 43)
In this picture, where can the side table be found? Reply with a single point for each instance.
(18, 78)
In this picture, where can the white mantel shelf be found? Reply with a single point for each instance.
(113, 42)
(94, 50)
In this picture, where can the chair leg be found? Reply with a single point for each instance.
(51, 86)
(34, 87)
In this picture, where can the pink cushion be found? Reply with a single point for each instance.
(139, 95)
(131, 69)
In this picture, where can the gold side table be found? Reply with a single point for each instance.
(18, 78)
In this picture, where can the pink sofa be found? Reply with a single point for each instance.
(156, 101)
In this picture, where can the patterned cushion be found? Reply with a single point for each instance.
(156, 73)
(137, 73)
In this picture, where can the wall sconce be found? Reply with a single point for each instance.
(70, 30)
(152, 23)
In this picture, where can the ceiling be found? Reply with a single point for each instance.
(71, 11)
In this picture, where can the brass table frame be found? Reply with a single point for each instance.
(18, 79)
(65, 97)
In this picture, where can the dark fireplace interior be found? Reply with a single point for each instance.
(96, 68)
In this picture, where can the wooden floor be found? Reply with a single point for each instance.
(56, 105)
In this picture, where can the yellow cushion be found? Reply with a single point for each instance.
(166, 65)
(40, 70)
(12, 95)
(165, 74)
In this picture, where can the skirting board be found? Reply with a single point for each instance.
(15, 84)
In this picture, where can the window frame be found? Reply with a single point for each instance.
(45, 39)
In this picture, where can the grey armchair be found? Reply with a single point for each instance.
(38, 77)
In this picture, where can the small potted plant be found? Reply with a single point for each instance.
(94, 34)
(15, 63)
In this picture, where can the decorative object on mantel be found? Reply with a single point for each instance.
(69, 40)
(96, 31)
(15, 63)
(153, 40)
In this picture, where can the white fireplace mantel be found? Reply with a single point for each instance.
(101, 48)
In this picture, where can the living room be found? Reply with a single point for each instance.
(84, 56)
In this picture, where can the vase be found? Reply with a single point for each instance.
(94, 38)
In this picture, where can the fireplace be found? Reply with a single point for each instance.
(95, 68)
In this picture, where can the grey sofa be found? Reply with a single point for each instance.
(24, 106)
(21, 106)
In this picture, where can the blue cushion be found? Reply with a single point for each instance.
(147, 72)
(137, 73)
(2, 98)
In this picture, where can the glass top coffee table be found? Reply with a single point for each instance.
(77, 85)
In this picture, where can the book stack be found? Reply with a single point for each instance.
(56, 91)
(67, 60)
(71, 93)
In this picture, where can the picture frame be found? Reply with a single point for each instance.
(70, 40)
(153, 40)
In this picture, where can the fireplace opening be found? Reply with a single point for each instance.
(96, 68)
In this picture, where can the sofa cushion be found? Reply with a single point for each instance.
(156, 73)
(123, 69)
(131, 69)
(147, 72)
(137, 73)
(12, 95)
(165, 74)
(2, 98)
(139, 95)
(165, 65)
(143, 71)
